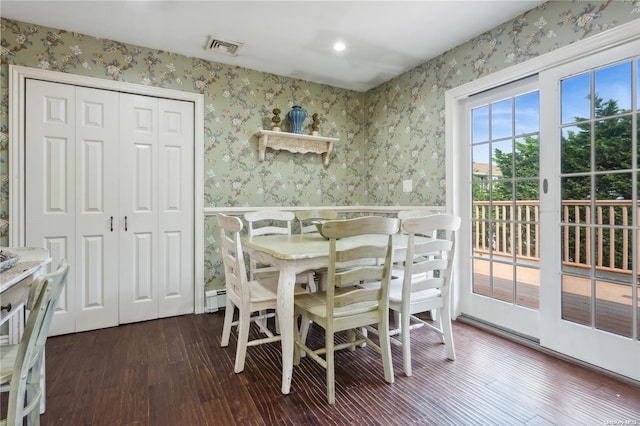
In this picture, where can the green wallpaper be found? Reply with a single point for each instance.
(391, 133)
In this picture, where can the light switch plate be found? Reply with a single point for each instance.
(407, 185)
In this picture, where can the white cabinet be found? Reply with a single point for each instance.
(109, 186)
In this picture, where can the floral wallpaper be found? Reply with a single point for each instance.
(391, 133)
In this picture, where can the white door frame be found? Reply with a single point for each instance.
(17, 101)
(457, 188)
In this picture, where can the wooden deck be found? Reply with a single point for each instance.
(173, 372)
(613, 305)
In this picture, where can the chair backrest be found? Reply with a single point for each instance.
(307, 217)
(354, 264)
(405, 214)
(42, 301)
(269, 222)
(429, 260)
(235, 271)
(266, 222)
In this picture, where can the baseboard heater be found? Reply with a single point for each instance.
(216, 300)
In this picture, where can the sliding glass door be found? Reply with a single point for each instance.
(590, 132)
(503, 146)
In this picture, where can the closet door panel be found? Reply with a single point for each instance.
(138, 173)
(50, 184)
(175, 213)
(97, 148)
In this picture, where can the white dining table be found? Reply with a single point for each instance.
(293, 254)
(15, 283)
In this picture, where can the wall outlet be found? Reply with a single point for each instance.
(407, 185)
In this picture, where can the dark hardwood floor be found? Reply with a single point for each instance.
(174, 372)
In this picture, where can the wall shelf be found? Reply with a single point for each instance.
(296, 143)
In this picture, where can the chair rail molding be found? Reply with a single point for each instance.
(295, 143)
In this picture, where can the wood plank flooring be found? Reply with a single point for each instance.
(174, 372)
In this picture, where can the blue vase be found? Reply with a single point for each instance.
(296, 117)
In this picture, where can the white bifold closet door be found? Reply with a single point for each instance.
(109, 187)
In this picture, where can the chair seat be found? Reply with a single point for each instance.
(316, 305)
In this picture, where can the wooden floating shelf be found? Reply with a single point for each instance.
(294, 142)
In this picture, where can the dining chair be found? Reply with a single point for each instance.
(307, 218)
(273, 222)
(345, 307)
(398, 269)
(21, 364)
(426, 282)
(249, 296)
(405, 214)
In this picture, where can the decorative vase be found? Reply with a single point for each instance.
(296, 117)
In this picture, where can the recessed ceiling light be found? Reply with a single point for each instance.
(339, 46)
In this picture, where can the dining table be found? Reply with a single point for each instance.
(15, 283)
(292, 254)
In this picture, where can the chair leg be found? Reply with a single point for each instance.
(385, 349)
(244, 322)
(406, 343)
(351, 337)
(437, 322)
(397, 317)
(331, 384)
(228, 319)
(300, 333)
(447, 332)
(305, 324)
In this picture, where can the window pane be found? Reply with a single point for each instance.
(614, 312)
(613, 86)
(527, 113)
(576, 189)
(503, 282)
(576, 253)
(638, 86)
(613, 254)
(502, 159)
(638, 313)
(482, 239)
(526, 241)
(614, 186)
(576, 149)
(501, 119)
(613, 144)
(481, 282)
(576, 299)
(527, 157)
(527, 287)
(480, 123)
(576, 98)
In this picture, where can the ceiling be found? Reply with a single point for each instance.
(291, 38)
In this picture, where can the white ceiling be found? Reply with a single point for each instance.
(289, 38)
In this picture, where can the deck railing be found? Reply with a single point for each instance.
(515, 229)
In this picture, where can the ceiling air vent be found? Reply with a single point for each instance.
(222, 46)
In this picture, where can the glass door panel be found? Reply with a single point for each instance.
(504, 150)
(592, 123)
(598, 178)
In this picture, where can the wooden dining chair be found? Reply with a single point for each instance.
(426, 282)
(21, 364)
(249, 296)
(307, 218)
(273, 222)
(344, 306)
